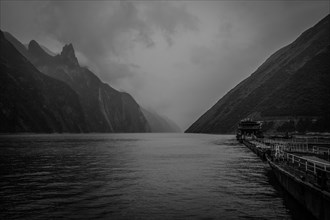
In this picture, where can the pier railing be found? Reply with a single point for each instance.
(312, 167)
(321, 150)
(312, 171)
(309, 165)
(284, 150)
(297, 147)
(294, 141)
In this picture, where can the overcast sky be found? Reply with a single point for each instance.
(176, 57)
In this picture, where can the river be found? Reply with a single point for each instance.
(137, 176)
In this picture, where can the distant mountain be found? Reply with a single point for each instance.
(105, 109)
(160, 123)
(290, 91)
(33, 102)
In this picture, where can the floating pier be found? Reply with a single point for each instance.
(301, 167)
(306, 180)
(301, 172)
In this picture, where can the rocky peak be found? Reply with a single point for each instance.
(69, 54)
(35, 48)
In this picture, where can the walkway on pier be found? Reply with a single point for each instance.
(295, 146)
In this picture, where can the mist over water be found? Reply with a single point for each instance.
(135, 176)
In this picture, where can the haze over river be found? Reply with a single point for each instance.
(137, 176)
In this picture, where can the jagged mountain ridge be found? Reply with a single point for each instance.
(259, 95)
(105, 109)
(33, 102)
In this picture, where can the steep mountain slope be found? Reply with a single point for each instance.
(292, 84)
(33, 102)
(105, 109)
(22, 48)
(159, 123)
(17, 44)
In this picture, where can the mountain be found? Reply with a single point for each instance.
(43, 47)
(17, 44)
(159, 123)
(290, 91)
(105, 109)
(33, 102)
(22, 48)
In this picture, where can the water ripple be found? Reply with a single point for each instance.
(135, 176)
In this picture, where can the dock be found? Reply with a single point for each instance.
(301, 166)
(304, 172)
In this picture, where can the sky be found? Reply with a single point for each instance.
(177, 58)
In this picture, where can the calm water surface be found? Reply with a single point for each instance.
(135, 176)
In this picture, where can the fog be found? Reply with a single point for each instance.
(176, 57)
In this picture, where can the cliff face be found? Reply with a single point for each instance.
(104, 108)
(33, 102)
(291, 85)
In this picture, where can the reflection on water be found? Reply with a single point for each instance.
(135, 176)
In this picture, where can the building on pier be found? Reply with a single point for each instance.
(248, 128)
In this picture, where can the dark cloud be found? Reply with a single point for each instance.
(104, 31)
(170, 18)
